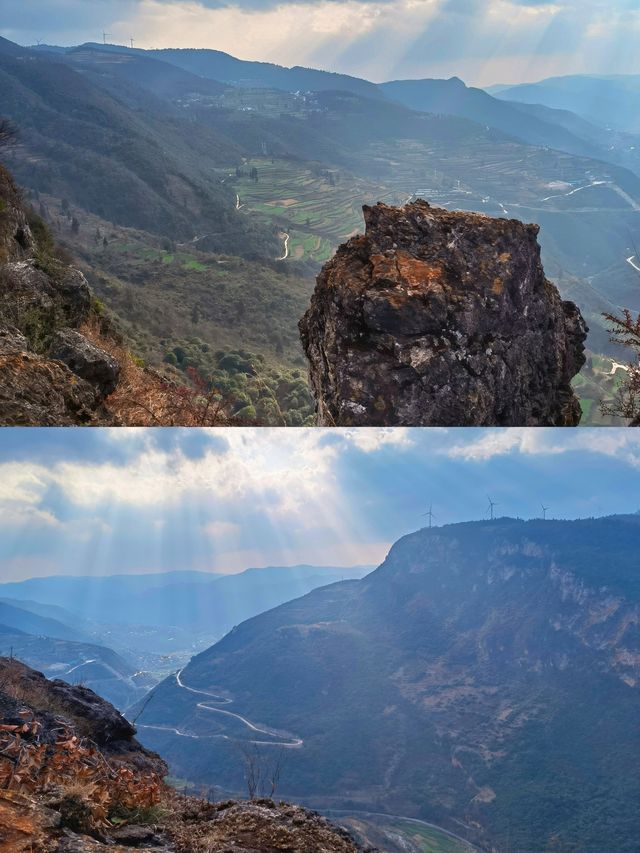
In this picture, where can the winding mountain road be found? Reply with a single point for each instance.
(292, 743)
(286, 248)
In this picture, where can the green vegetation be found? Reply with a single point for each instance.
(318, 207)
(183, 312)
(600, 379)
(427, 839)
(273, 396)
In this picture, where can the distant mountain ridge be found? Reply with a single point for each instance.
(486, 675)
(190, 600)
(605, 100)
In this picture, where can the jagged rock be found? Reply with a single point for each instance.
(40, 295)
(261, 825)
(137, 836)
(37, 392)
(16, 239)
(12, 341)
(24, 287)
(86, 360)
(441, 318)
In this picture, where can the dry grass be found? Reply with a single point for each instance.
(144, 398)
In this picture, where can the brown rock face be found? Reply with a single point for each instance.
(441, 318)
(50, 374)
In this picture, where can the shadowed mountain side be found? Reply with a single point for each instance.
(486, 673)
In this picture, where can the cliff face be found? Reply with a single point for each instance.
(441, 318)
(51, 374)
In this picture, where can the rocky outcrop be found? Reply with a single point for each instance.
(86, 360)
(36, 391)
(73, 779)
(50, 374)
(441, 318)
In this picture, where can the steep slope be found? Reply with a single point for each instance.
(75, 780)
(22, 619)
(142, 167)
(485, 676)
(453, 97)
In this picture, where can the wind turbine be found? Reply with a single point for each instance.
(544, 512)
(430, 515)
(492, 504)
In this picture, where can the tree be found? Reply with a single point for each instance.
(626, 404)
(261, 771)
(75, 225)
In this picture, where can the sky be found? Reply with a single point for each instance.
(115, 501)
(481, 41)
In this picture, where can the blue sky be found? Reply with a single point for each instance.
(112, 501)
(482, 41)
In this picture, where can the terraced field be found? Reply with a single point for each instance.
(319, 209)
(400, 835)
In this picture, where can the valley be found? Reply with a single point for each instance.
(468, 650)
(206, 256)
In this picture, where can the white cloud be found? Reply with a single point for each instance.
(372, 439)
(619, 443)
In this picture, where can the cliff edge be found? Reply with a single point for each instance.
(73, 779)
(51, 373)
(435, 317)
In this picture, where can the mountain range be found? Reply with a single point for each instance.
(485, 677)
(609, 101)
(120, 634)
(206, 192)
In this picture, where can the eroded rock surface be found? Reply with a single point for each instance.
(86, 360)
(435, 317)
(50, 374)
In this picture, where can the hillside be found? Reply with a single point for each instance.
(75, 780)
(220, 66)
(204, 255)
(64, 361)
(485, 677)
(135, 164)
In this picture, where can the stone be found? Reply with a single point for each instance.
(86, 360)
(37, 392)
(12, 341)
(440, 318)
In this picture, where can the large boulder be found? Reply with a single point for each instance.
(38, 392)
(86, 360)
(441, 318)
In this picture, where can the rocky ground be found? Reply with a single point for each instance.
(445, 318)
(73, 779)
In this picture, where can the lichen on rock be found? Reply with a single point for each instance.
(435, 317)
